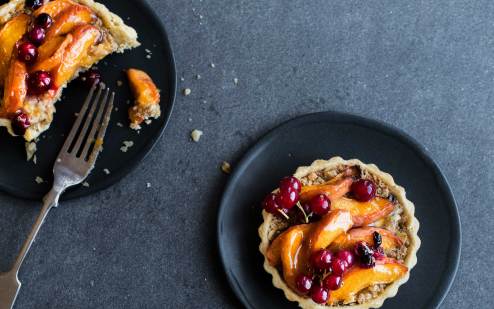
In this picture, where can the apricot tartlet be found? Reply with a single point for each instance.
(43, 46)
(339, 234)
(147, 98)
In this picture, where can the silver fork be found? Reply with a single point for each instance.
(75, 162)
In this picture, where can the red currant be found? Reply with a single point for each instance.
(321, 259)
(27, 52)
(363, 190)
(287, 198)
(347, 256)
(290, 182)
(270, 205)
(338, 266)
(20, 123)
(36, 35)
(39, 82)
(319, 294)
(91, 77)
(43, 20)
(320, 205)
(303, 283)
(332, 282)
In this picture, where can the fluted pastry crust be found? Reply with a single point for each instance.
(268, 230)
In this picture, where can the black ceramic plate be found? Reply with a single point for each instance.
(18, 176)
(321, 136)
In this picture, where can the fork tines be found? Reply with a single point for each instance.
(86, 137)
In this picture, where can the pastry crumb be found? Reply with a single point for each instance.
(226, 167)
(30, 150)
(148, 185)
(119, 124)
(85, 184)
(186, 91)
(196, 135)
(106, 171)
(198, 76)
(39, 180)
(212, 65)
(126, 146)
(235, 81)
(119, 83)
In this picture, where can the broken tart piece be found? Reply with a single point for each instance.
(339, 234)
(147, 98)
(43, 46)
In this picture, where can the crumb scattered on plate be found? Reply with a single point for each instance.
(85, 184)
(212, 65)
(148, 185)
(119, 83)
(226, 167)
(186, 91)
(107, 171)
(39, 180)
(196, 135)
(235, 81)
(126, 146)
(31, 150)
(119, 124)
(198, 76)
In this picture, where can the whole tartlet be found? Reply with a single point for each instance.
(339, 234)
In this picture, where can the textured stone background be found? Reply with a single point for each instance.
(424, 66)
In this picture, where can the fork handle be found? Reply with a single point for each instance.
(49, 201)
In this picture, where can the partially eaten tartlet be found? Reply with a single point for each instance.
(339, 234)
(43, 46)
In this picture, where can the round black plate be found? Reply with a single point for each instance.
(321, 136)
(18, 176)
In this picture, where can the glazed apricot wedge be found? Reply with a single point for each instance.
(364, 213)
(54, 8)
(69, 19)
(48, 48)
(84, 38)
(333, 191)
(352, 237)
(274, 251)
(293, 257)
(15, 90)
(143, 87)
(10, 33)
(326, 230)
(357, 279)
(56, 59)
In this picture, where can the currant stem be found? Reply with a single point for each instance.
(303, 211)
(284, 214)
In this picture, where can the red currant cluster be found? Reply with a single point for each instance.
(328, 269)
(285, 199)
(288, 195)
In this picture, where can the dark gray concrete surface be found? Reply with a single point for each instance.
(426, 67)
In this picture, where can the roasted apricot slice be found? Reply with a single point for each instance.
(49, 47)
(55, 60)
(10, 33)
(329, 228)
(293, 257)
(357, 279)
(84, 37)
(333, 190)
(364, 213)
(54, 8)
(69, 19)
(143, 87)
(15, 90)
(273, 253)
(352, 237)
